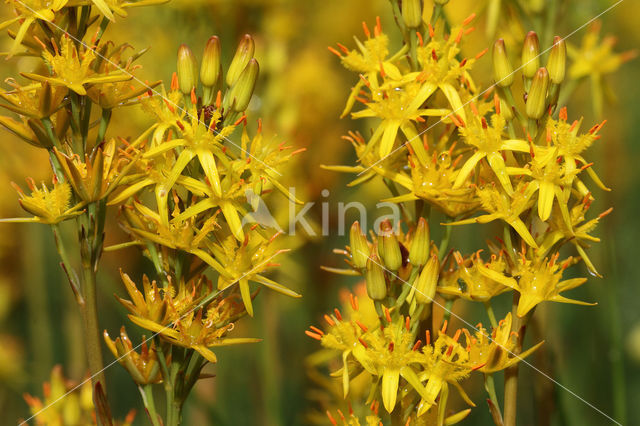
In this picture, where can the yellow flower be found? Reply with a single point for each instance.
(397, 104)
(495, 352)
(33, 131)
(596, 59)
(38, 100)
(27, 12)
(247, 261)
(474, 280)
(94, 178)
(49, 206)
(489, 144)
(143, 367)
(500, 205)
(445, 362)
(181, 316)
(73, 68)
(433, 181)
(541, 280)
(146, 225)
(573, 227)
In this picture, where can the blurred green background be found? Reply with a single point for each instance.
(594, 352)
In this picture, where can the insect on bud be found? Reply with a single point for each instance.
(412, 13)
(187, 70)
(502, 69)
(557, 60)
(241, 59)
(421, 244)
(374, 276)
(530, 55)
(389, 249)
(537, 97)
(359, 246)
(427, 281)
(241, 92)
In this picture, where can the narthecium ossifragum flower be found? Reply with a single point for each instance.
(439, 142)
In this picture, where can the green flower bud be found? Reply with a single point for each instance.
(421, 244)
(374, 276)
(427, 281)
(502, 69)
(537, 96)
(412, 13)
(241, 92)
(359, 246)
(389, 248)
(557, 60)
(187, 70)
(530, 55)
(211, 67)
(243, 55)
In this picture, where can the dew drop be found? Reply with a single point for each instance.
(444, 159)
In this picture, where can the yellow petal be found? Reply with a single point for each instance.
(499, 168)
(390, 379)
(388, 137)
(233, 220)
(545, 199)
(245, 292)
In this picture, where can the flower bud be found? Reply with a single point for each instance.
(374, 276)
(427, 281)
(241, 92)
(502, 69)
(412, 13)
(187, 70)
(557, 60)
(389, 249)
(243, 55)
(441, 2)
(211, 67)
(421, 244)
(537, 97)
(359, 246)
(530, 55)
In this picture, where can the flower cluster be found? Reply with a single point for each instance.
(445, 147)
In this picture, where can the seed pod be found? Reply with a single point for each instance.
(241, 92)
(557, 60)
(187, 70)
(412, 13)
(211, 67)
(374, 276)
(502, 69)
(420, 245)
(428, 281)
(359, 246)
(389, 249)
(241, 59)
(537, 97)
(530, 55)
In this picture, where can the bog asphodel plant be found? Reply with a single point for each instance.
(448, 148)
(182, 188)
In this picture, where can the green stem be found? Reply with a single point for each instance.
(444, 243)
(149, 403)
(490, 387)
(491, 314)
(448, 305)
(104, 123)
(92, 336)
(511, 373)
